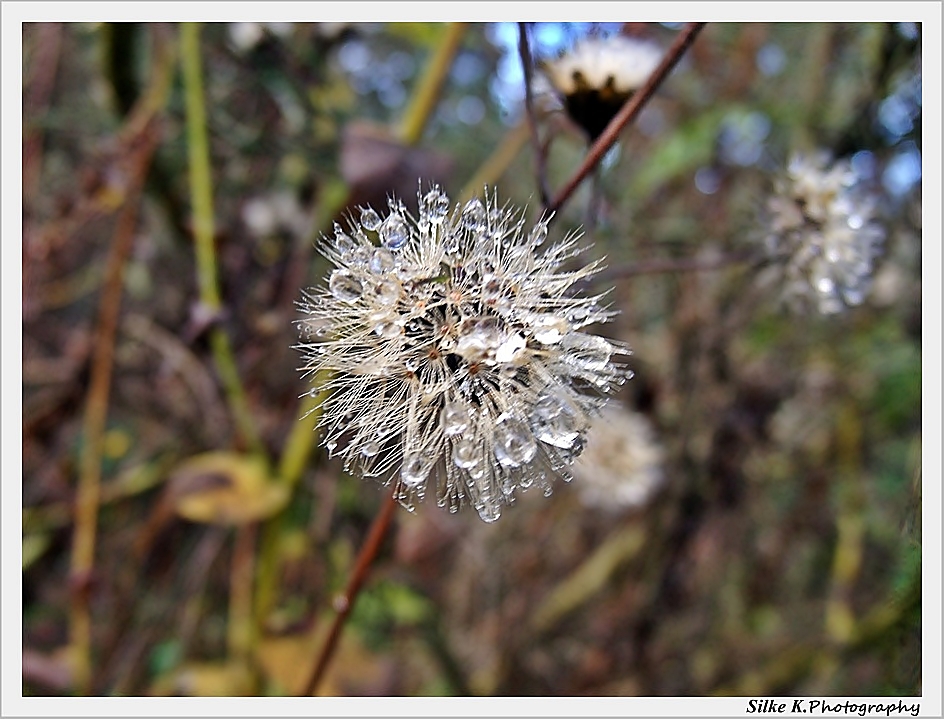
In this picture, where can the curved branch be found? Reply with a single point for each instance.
(344, 603)
(628, 113)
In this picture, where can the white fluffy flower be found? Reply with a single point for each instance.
(622, 465)
(822, 224)
(619, 62)
(457, 358)
(599, 75)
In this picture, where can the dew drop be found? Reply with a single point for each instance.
(825, 285)
(479, 337)
(343, 243)
(555, 421)
(455, 418)
(853, 295)
(511, 349)
(381, 261)
(538, 234)
(474, 217)
(587, 352)
(586, 314)
(514, 443)
(388, 329)
(370, 219)
(344, 286)
(394, 233)
(489, 510)
(464, 454)
(437, 205)
(361, 256)
(387, 292)
(549, 329)
(370, 448)
(414, 470)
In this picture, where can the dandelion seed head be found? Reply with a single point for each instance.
(460, 366)
(599, 75)
(617, 61)
(822, 224)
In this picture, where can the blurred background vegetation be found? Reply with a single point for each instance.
(183, 534)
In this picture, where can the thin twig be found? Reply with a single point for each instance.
(140, 138)
(201, 195)
(666, 265)
(540, 156)
(39, 90)
(345, 602)
(628, 113)
(88, 491)
(35, 105)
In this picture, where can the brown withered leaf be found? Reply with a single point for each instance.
(376, 165)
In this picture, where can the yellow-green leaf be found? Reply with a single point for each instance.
(226, 488)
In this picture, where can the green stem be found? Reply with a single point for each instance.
(295, 455)
(300, 442)
(495, 164)
(201, 196)
(427, 91)
(296, 451)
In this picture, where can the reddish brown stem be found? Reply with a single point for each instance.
(628, 113)
(343, 603)
(88, 489)
(38, 94)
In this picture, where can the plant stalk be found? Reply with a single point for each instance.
(201, 196)
(628, 113)
(344, 603)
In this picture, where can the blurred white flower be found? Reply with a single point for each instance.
(266, 215)
(621, 467)
(458, 365)
(599, 75)
(244, 36)
(822, 224)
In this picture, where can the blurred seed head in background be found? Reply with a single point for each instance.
(621, 467)
(822, 224)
